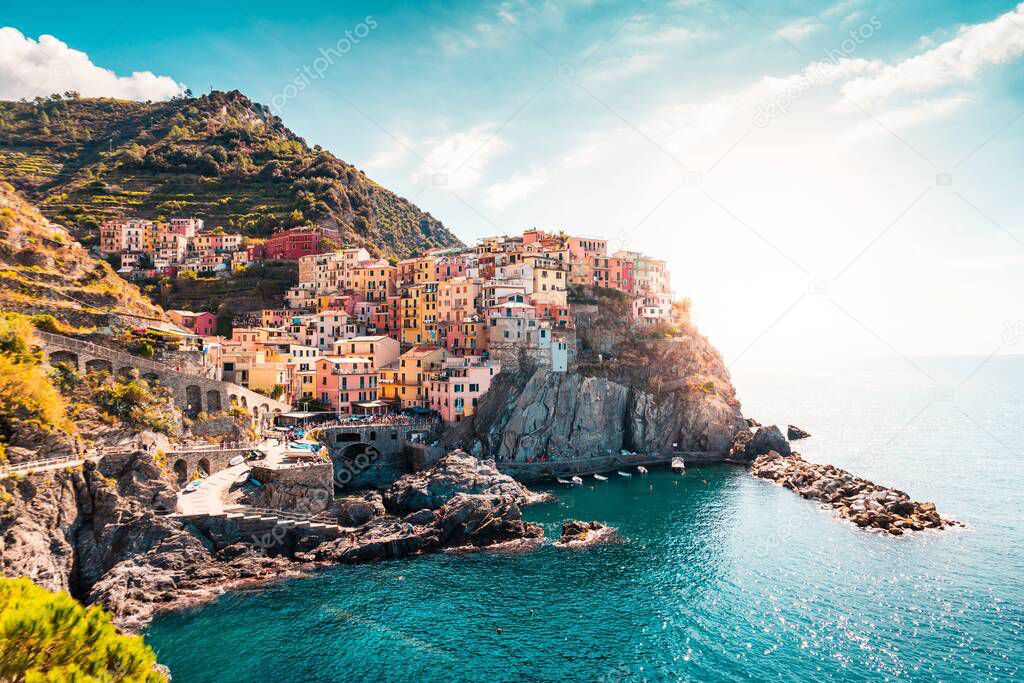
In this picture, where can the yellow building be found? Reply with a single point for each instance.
(373, 280)
(420, 314)
(406, 381)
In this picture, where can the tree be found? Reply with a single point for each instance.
(48, 636)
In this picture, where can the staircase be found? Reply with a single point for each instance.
(265, 523)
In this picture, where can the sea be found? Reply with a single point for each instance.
(719, 576)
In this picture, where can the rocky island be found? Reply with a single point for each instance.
(864, 503)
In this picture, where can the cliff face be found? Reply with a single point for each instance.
(627, 393)
(95, 532)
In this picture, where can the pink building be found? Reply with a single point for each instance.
(455, 392)
(449, 266)
(345, 382)
(466, 338)
(203, 324)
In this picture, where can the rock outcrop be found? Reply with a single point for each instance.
(456, 472)
(639, 396)
(577, 534)
(459, 503)
(866, 504)
(747, 445)
(795, 433)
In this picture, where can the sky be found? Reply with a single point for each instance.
(825, 179)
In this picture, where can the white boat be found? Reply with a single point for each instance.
(577, 481)
(600, 477)
(237, 460)
(625, 474)
(641, 469)
(678, 464)
(564, 482)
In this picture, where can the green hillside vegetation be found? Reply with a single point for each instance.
(48, 637)
(220, 157)
(28, 397)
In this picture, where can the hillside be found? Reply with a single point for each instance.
(44, 271)
(220, 157)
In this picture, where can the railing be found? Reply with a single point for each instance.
(408, 422)
(44, 463)
(229, 446)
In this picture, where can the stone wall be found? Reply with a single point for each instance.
(304, 489)
(192, 393)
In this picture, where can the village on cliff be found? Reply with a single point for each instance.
(361, 335)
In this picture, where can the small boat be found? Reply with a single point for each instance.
(564, 482)
(237, 460)
(577, 481)
(641, 469)
(678, 465)
(625, 474)
(600, 477)
(194, 486)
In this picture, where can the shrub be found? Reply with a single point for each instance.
(48, 636)
(134, 403)
(26, 392)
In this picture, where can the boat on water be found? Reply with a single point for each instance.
(600, 477)
(678, 465)
(625, 474)
(577, 481)
(641, 469)
(564, 482)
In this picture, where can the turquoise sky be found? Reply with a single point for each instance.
(879, 212)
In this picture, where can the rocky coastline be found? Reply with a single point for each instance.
(862, 502)
(101, 532)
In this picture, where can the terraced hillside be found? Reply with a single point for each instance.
(220, 157)
(44, 271)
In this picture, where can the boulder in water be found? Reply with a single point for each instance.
(795, 433)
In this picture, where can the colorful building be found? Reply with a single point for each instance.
(456, 390)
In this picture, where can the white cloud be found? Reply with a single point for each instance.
(906, 116)
(799, 29)
(617, 68)
(841, 7)
(520, 186)
(29, 68)
(462, 158)
(955, 62)
(391, 156)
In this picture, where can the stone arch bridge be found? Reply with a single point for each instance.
(192, 393)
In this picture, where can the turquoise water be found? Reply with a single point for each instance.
(723, 577)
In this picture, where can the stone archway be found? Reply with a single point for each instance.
(213, 401)
(352, 462)
(64, 357)
(244, 404)
(193, 400)
(204, 466)
(151, 377)
(99, 365)
(181, 470)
